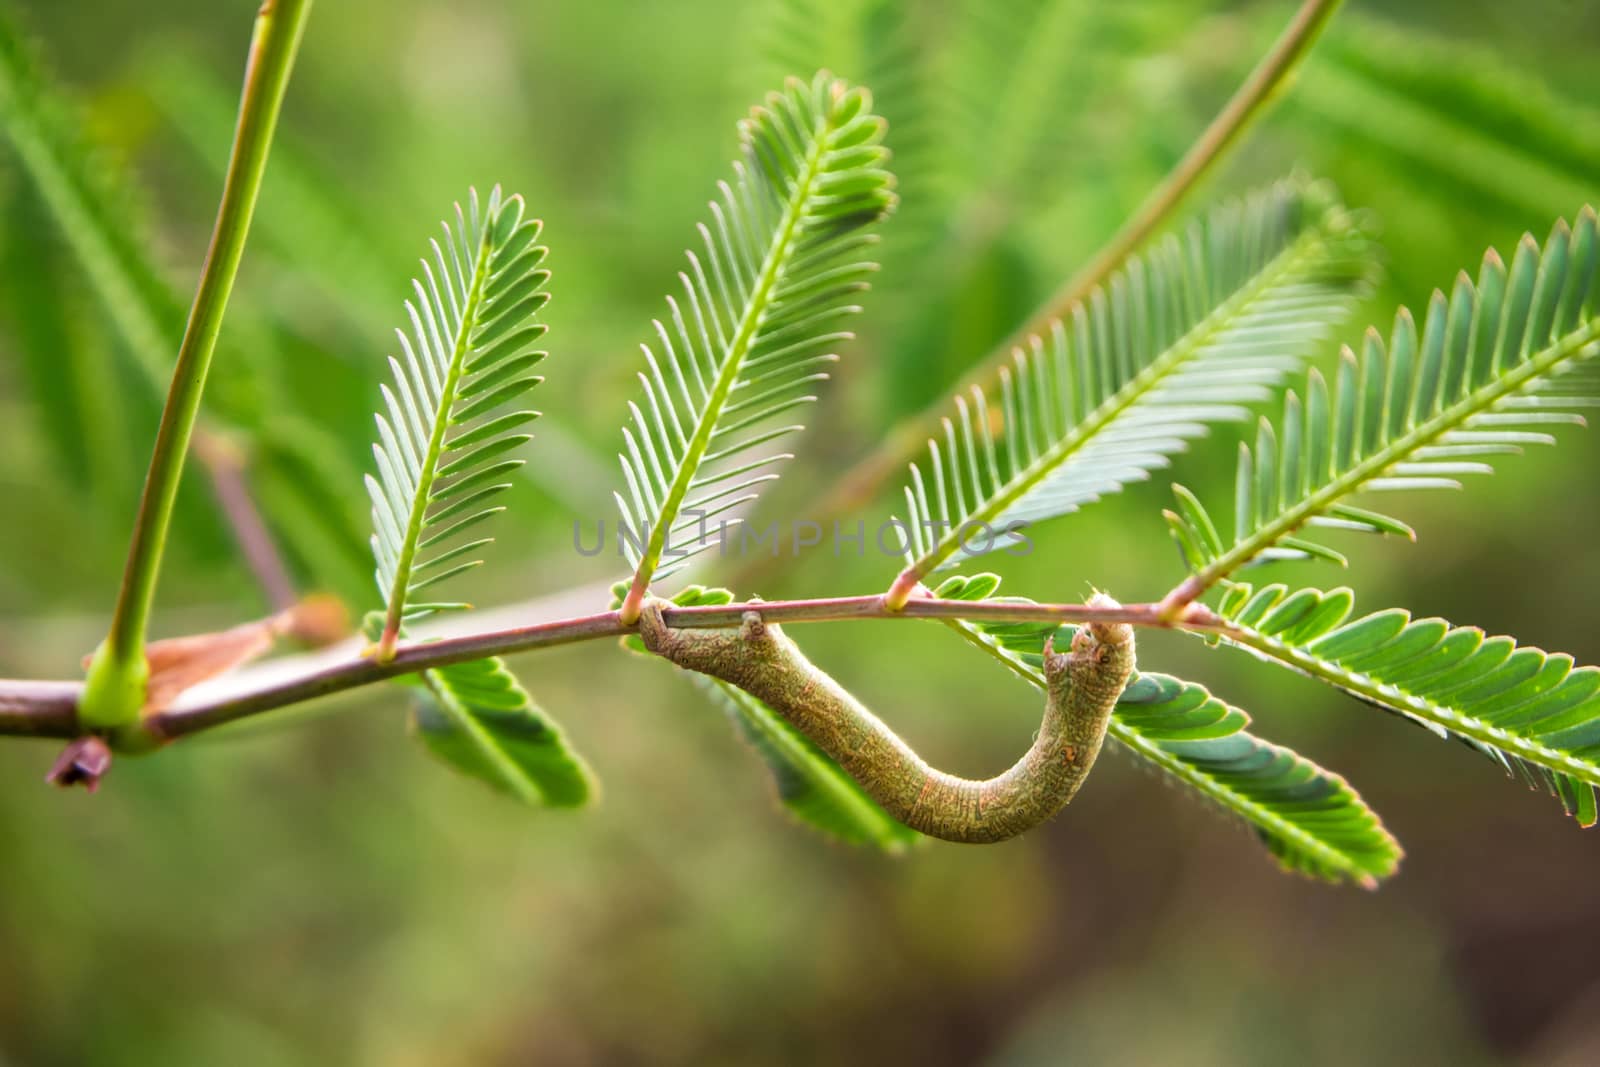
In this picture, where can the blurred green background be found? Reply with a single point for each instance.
(318, 892)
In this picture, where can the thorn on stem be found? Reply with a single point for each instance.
(83, 762)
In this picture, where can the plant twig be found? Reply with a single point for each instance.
(855, 488)
(117, 675)
(225, 467)
(39, 709)
(45, 709)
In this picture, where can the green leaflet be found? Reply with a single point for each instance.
(1311, 820)
(1495, 366)
(444, 434)
(477, 718)
(760, 314)
(1185, 336)
(1532, 712)
(443, 439)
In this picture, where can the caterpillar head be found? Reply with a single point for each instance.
(1101, 660)
(1103, 640)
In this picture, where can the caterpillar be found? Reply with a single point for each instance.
(1082, 687)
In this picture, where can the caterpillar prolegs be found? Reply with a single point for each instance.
(1082, 687)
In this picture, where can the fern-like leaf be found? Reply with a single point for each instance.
(1449, 120)
(1530, 711)
(1310, 819)
(477, 718)
(760, 312)
(64, 355)
(880, 43)
(95, 203)
(321, 233)
(1012, 107)
(866, 42)
(444, 434)
(1497, 365)
(93, 206)
(313, 222)
(1182, 338)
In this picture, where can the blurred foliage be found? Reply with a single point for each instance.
(316, 893)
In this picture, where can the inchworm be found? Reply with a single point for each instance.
(1082, 687)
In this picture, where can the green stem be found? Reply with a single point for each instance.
(118, 673)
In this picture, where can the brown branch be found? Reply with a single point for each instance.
(48, 709)
(226, 469)
(39, 709)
